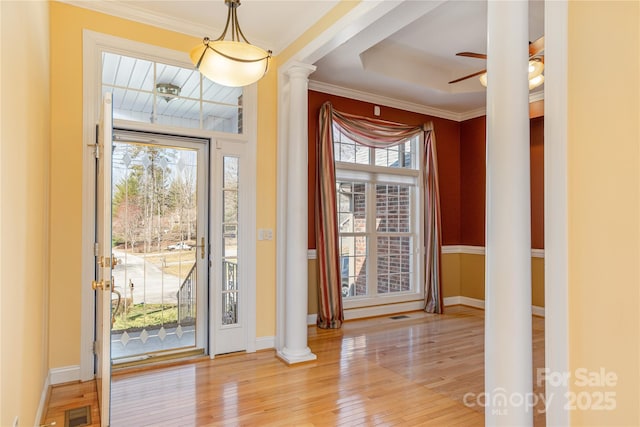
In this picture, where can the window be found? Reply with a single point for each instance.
(377, 202)
(153, 92)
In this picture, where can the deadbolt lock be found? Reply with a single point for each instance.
(108, 262)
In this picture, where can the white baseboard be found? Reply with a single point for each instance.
(447, 301)
(537, 311)
(472, 302)
(64, 374)
(373, 311)
(382, 310)
(264, 343)
(43, 401)
(478, 303)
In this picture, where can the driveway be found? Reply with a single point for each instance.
(150, 284)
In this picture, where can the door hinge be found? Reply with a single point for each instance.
(94, 347)
(96, 249)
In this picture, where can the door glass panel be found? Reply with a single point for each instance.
(230, 241)
(154, 229)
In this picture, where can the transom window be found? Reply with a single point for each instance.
(377, 200)
(153, 92)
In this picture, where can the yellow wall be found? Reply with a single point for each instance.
(67, 23)
(266, 203)
(24, 198)
(603, 202)
(451, 275)
(472, 276)
(312, 297)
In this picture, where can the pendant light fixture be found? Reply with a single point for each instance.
(234, 62)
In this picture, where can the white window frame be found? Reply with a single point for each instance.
(94, 44)
(372, 175)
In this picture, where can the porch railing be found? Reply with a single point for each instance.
(186, 296)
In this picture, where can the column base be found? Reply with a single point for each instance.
(298, 356)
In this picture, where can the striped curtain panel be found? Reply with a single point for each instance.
(433, 226)
(377, 134)
(330, 314)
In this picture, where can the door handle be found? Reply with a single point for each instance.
(103, 285)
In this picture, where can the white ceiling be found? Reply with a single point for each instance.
(408, 54)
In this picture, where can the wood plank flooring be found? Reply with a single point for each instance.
(406, 372)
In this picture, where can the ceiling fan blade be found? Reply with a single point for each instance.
(468, 77)
(472, 55)
(536, 46)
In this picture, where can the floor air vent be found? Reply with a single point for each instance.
(77, 417)
(402, 316)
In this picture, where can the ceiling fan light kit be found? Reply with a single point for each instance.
(536, 78)
(234, 62)
(536, 65)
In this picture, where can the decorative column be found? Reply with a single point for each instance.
(508, 348)
(295, 348)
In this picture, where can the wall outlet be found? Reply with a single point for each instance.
(16, 421)
(265, 234)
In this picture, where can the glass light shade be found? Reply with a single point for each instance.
(535, 68)
(483, 79)
(231, 63)
(536, 81)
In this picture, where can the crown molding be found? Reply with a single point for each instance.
(472, 114)
(382, 100)
(405, 105)
(131, 12)
(536, 96)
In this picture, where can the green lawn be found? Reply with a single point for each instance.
(142, 315)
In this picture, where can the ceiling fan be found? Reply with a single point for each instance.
(536, 65)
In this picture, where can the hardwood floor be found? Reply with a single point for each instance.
(405, 372)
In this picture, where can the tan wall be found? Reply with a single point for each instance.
(266, 177)
(537, 282)
(312, 299)
(472, 276)
(24, 200)
(604, 203)
(451, 277)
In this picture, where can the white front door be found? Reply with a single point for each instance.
(102, 283)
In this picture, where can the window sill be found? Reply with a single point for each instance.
(359, 302)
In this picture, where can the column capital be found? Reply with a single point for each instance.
(299, 69)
